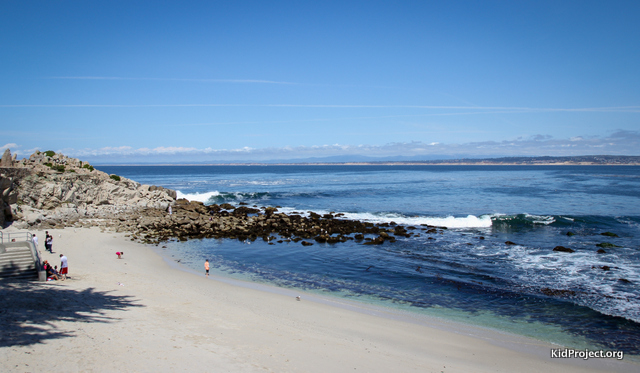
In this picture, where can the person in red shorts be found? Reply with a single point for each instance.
(64, 267)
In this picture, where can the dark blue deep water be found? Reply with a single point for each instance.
(466, 273)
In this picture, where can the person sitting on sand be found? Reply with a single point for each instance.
(51, 273)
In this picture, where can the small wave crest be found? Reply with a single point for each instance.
(470, 221)
(200, 197)
(522, 220)
(222, 197)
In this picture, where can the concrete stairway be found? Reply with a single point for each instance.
(18, 260)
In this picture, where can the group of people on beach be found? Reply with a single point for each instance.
(52, 271)
(48, 242)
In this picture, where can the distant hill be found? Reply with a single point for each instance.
(547, 160)
(409, 160)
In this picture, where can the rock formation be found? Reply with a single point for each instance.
(53, 189)
(6, 160)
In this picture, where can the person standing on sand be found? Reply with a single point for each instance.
(64, 267)
(48, 242)
(206, 267)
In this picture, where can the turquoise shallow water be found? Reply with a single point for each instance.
(466, 273)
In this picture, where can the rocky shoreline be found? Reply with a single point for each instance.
(49, 190)
(195, 220)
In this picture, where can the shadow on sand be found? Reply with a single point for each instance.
(29, 310)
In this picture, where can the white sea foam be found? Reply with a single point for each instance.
(470, 221)
(201, 197)
(581, 271)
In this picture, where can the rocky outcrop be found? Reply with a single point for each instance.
(7, 160)
(56, 189)
(8, 197)
(196, 220)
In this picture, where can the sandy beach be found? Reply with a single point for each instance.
(142, 313)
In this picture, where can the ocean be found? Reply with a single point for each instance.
(494, 266)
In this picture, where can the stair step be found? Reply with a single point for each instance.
(17, 263)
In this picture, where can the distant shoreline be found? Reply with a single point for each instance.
(366, 164)
(587, 160)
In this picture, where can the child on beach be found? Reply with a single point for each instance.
(206, 267)
(120, 254)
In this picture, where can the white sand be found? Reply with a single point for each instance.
(166, 319)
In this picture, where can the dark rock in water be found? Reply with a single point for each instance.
(481, 238)
(624, 280)
(227, 206)
(606, 268)
(609, 234)
(376, 241)
(570, 234)
(557, 292)
(563, 249)
(243, 210)
(510, 243)
(601, 251)
(607, 244)
(305, 243)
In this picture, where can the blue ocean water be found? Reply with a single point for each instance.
(467, 272)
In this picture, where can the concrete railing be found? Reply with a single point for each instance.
(16, 239)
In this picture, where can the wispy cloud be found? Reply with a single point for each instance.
(259, 81)
(617, 143)
(479, 109)
(9, 146)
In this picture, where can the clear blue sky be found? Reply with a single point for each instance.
(252, 80)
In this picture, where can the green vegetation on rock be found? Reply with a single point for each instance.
(607, 244)
(49, 153)
(115, 177)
